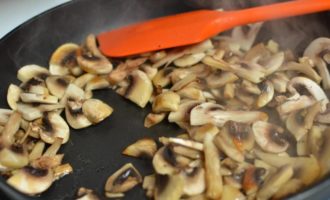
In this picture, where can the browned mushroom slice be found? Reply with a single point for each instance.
(169, 187)
(153, 119)
(31, 181)
(124, 69)
(183, 142)
(28, 72)
(252, 179)
(315, 50)
(31, 112)
(218, 79)
(143, 148)
(62, 170)
(13, 95)
(149, 70)
(250, 87)
(269, 137)
(86, 194)
(190, 92)
(199, 70)
(35, 85)
(163, 77)
(280, 81)
(58, 84)
(156, 56)
(275, 182)
(63, 60)
(4, 115)
(246, 38)
(240, 133)
(189, 59)
(51, 126)
(82, 80)
(123, 179)
(183, 112)
(149, 184)
(267, 93)
(227, 145)
(304, 85)
(216, 63)
(166, 102)
(165, 161)
(194, 181)
(274, 63)
(96, 110)
(250, 71)
(140, 88)
(325, 116)
(299, 122)
(212, 166)
(214, 113)
(90, 58)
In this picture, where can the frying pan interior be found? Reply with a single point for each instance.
(95, 152)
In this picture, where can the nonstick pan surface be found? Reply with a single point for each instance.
(95, 152)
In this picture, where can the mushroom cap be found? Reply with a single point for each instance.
(31, 181)
(269, 137)
(28, 72)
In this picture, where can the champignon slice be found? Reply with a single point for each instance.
(28, 72)
(232, 193)
(289, 188)
(183, 142)
(153, 118)
(169, 187)
(51, 126)
(148, 184)
(58, 84)
(90, 58)
(163, 77)
(250, 71)
(166, 102)
(294, 104)
(38, 98)
(240, 133)
(189, 59)
(216, 63)
(275, 182)
(4, 115)
(96, 110)
(35, 85)
(323, 155)
(31, 112)
(123, 179)
(165, 161)
(213, 113)
(314, 51)
(13, 95)
(301, 84)
(31, 181)
(218, 79)
(86, 194)
(143, 148)
(64, 60)
(269, 137)
(140, 88)
(304, 68)
(267, 93)
(82, 80)
(228, 147)
(252, 179)
(194, 181)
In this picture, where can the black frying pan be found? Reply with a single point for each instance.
(95, 152)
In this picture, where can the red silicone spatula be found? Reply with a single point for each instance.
(193, 27)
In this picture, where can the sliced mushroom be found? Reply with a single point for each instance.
(269, 137)
(183, 142)
(301, 84)
(166, 102)
(4, 115)
(31, 181)
(199, 133)
(183, 112)
(250, 71)
(192, 93)
(140, 88)
(90, 58)
(250, 87)
(165, 161)
(123, 179)
(213, 113)
(274, 63)
(35, 85)
(186, 151)
(219, 79)
(304, 68)
(86, 194)
(153, 119)
(82, 80)
(63, 61)
(13, 95)
(216, 63)
(240, 133)
(289, 188)
(246, 38)
(163, 77)
(28, 72)
(189, 59)
(194, 181)
(212, 166)
(149, 184)
(169, 187)
(124, 69)
(228, 147)
(294, 104)
(267, 93)
(58, 84)
(156, 56)
(143, 148)
(50, 127)
(96, 110)
(323, 155)
(275, 182)
(31, 112)
(280, 81)
(252, 179)
(314, 51)
(38, 98)
(149, 70)
(232, 193)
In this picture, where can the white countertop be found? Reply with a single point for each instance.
(15, 12)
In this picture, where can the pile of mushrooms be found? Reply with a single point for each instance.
(33, 129)
(255, 118)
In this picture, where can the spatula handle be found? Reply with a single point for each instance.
(278, 10)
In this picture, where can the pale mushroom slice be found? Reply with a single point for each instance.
(124, 69)
(275, 182)
(153, 118)
(38, 98)
(31, 181)
(90, 58)
(315, 51)
(269, 137)
(241, 135)
(96, 83)
(86, 194)
(252, 179)
(50, 127)
(143, 148)
(35, 85)
(82, 80)
(183, 112)
(305, 68)
(194, 181)
(64, 60)
(140, 88)
(295, 104)
(31, 112)
(169, 187)
(123, 179)
(228, 147)
(58, 84)
(28, 72)
(214, 113)
(189, 59)
(323, 154)
(303, 85)
(267, 94)
(166, 102)
(280, 81)
(4, 116)
(163, 77)
(13, 95)
(96, 110)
